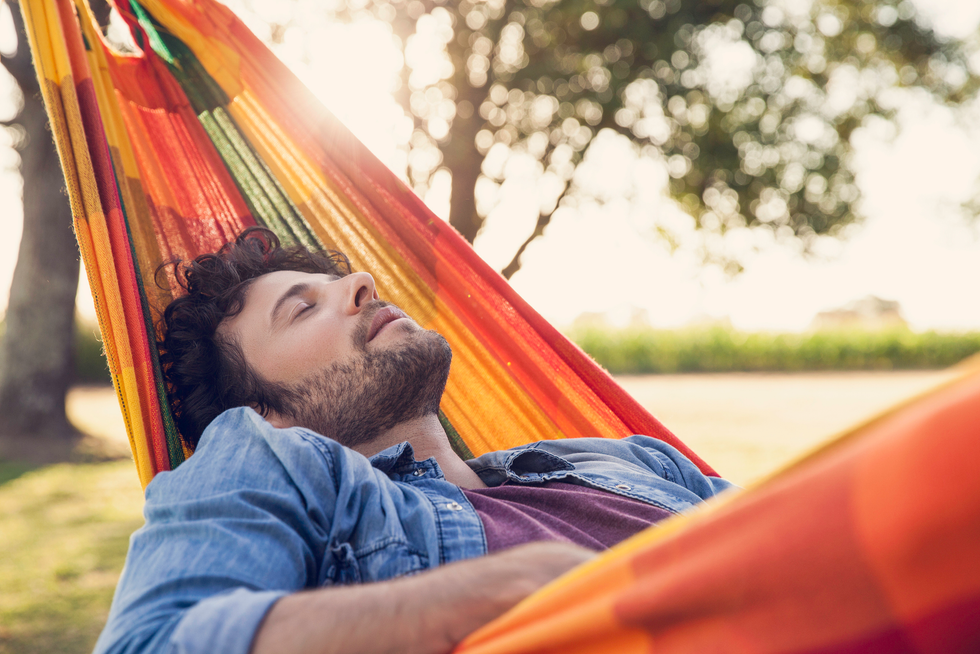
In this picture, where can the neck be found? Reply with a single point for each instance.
(428, 439)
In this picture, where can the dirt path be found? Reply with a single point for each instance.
(744, 424)
(748, 424)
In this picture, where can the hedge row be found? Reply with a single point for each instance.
(90, 363)
(643, 351)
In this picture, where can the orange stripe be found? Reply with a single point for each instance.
(871, 540)
(923, 542)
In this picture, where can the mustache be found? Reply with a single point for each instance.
(364, 321)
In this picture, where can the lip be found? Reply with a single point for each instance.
(384, 316)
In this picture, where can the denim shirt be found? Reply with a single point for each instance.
(260, 512)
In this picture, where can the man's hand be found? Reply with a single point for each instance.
(428, 613)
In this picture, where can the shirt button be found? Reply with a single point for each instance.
(454, 506)
(623, 487)
(419, 472)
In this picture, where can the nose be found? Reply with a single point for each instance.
(360, 291)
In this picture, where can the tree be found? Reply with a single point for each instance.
(750, 103)
(36, 352)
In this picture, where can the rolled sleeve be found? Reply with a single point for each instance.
(227, 534)
(225, 623)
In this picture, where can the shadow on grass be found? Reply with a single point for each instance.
(10, 470)
(65, 531)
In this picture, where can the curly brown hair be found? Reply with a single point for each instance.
(206, 374)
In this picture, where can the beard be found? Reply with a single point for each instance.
(354, 402)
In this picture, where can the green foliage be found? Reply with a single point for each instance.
(643, 351)
(65, 534)
(90, 362)
(763, 143)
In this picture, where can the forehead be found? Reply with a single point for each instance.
(265, 290)
(261, 296)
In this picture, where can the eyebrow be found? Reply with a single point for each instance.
(294, 290)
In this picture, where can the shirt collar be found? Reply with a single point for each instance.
(522, 463)
(395, 458)
(493, 467)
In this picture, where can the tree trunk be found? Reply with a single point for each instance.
(460, 155)
(36, 353)
(464, 163)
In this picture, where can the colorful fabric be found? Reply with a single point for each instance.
(558, 511)
(172, 150)
(867, 545)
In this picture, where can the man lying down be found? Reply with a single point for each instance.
(324, 509)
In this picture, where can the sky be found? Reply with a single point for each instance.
(914, 246)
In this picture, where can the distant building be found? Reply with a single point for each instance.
(624, 316)
(869, 313)
(704, 321)
(590, 320)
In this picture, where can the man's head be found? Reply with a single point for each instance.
(298, 337)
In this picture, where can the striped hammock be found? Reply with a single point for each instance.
(204, 132)
(867, 545)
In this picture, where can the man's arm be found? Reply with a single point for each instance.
(429, 613)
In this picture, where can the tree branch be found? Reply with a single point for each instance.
(544, 219)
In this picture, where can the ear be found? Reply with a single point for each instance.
(276, 420)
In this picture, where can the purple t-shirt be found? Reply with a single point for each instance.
(555, 510)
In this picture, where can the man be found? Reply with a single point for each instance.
(286, 372)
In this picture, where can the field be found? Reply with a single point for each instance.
(750, 424)
(635, 351)
(64, 529)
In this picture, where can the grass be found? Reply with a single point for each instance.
(65, 530)
(12, 470)
(650, 351)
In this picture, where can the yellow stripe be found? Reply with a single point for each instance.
(130, 388)
(221, 62)
(121, 150)
(50, 51)
(484, 403)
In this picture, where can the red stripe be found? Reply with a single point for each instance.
(953, 630)
(119, 240)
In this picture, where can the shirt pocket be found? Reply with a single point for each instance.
(383, 559)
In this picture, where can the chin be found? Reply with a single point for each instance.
(355, 401)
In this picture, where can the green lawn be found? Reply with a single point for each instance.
(64, 531)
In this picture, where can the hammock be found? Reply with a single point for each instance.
(205, 132)
(172, 150)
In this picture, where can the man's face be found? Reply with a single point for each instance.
(337, 359)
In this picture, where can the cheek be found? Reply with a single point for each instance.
(299, 356)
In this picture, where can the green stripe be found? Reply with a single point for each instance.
(258, 204)
(148, 24)
(455, 440)
(175, 449)
(262, 192)
(270, 185)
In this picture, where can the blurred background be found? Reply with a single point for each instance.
(761, 216)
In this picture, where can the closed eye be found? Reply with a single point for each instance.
(303, 309)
